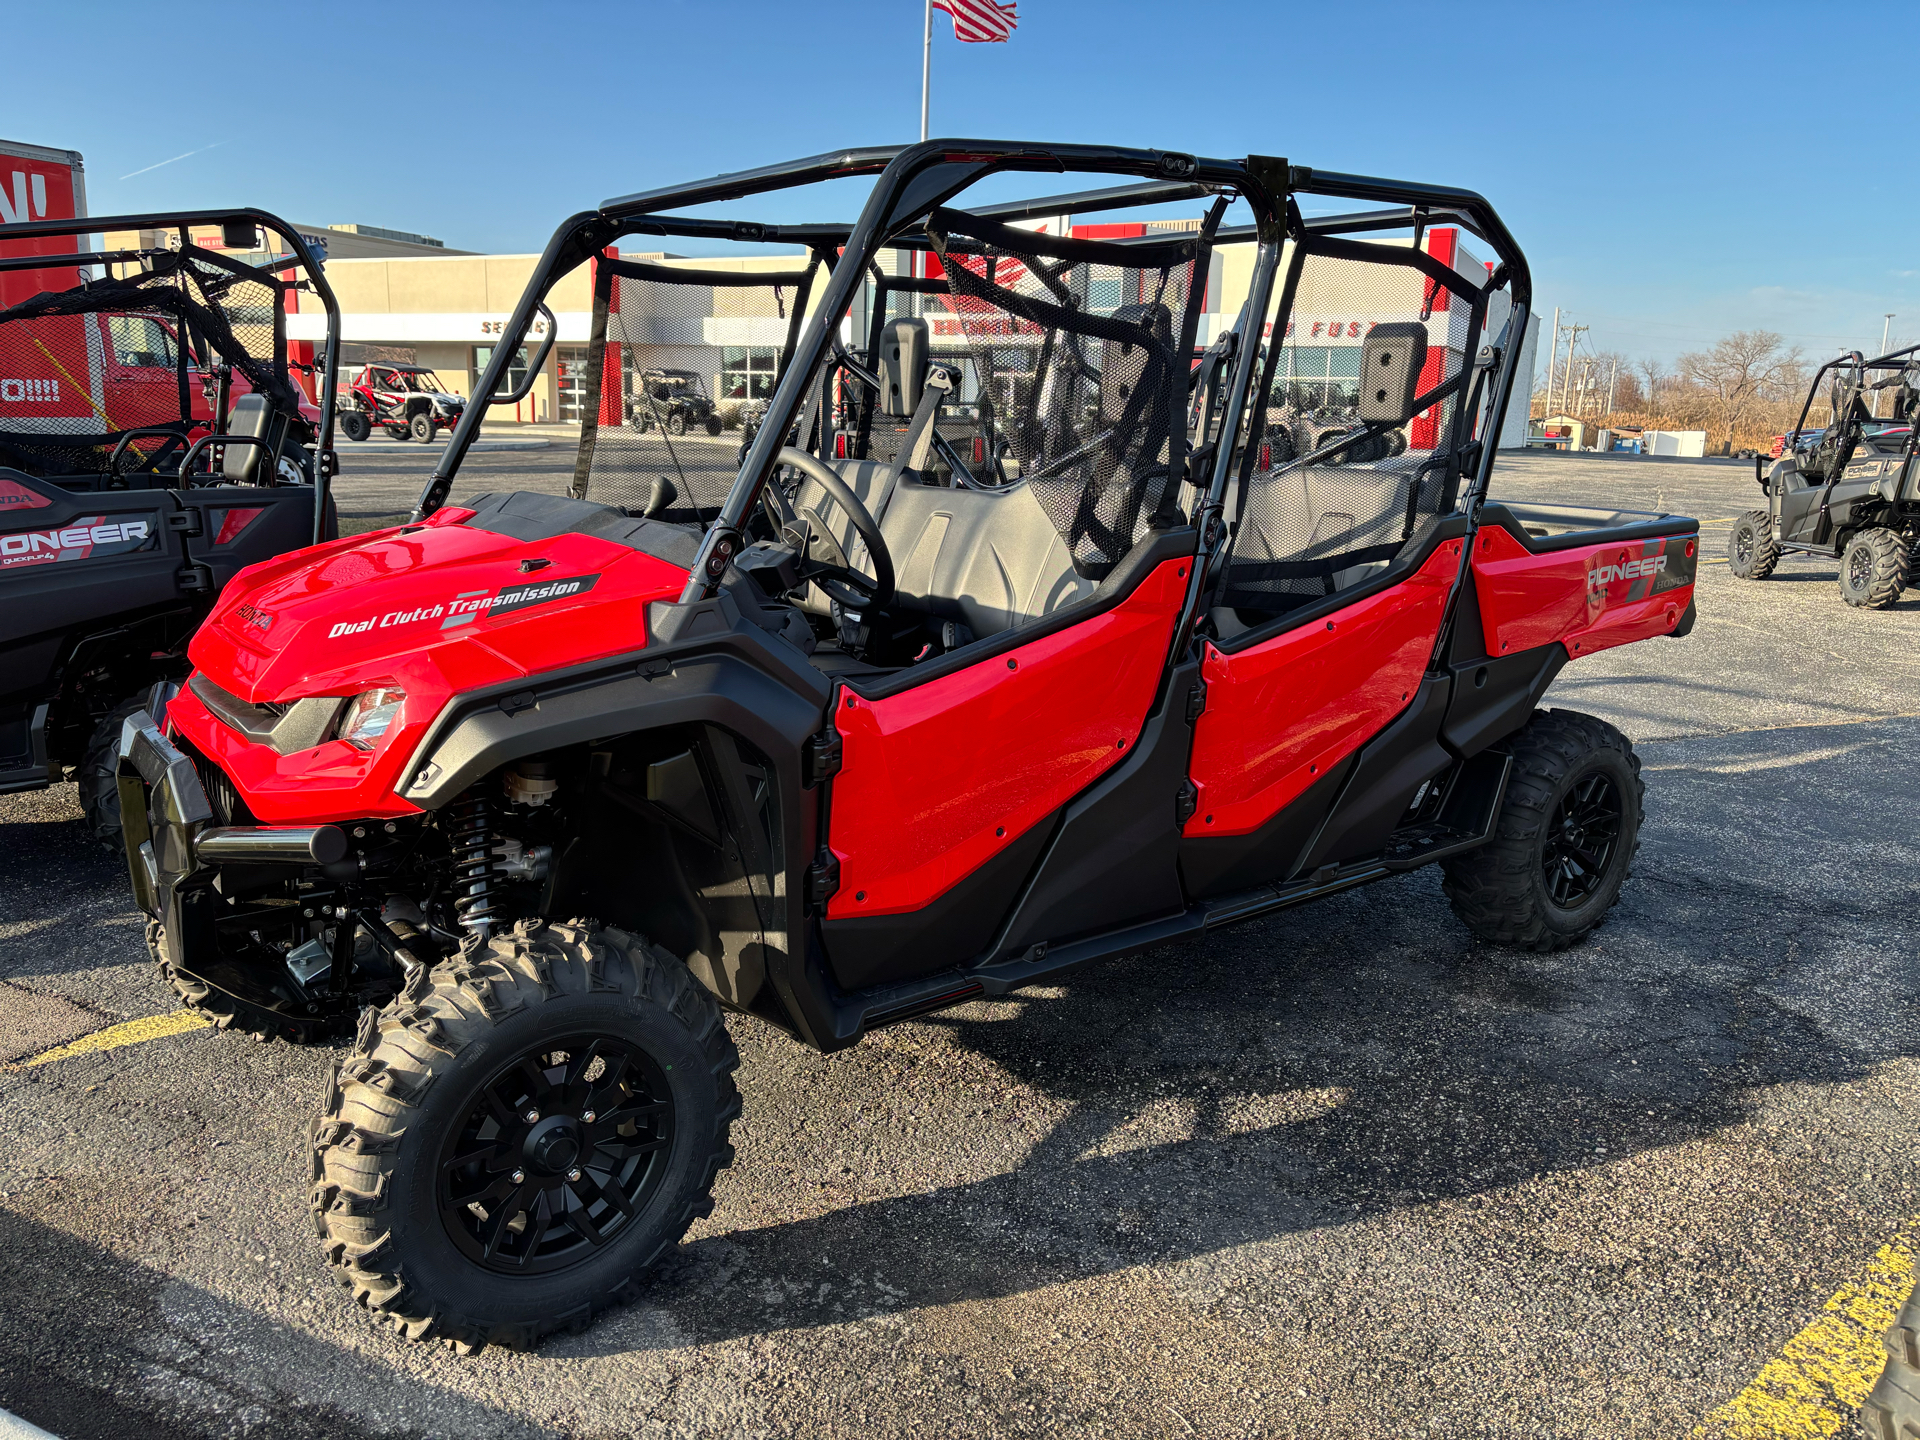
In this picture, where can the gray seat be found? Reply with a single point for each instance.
(990, 560)
(247, 464)
(1319, 513)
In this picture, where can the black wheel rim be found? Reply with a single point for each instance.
(1581, 840)
(1860, 568)
(1743, 544)
(556, 1155)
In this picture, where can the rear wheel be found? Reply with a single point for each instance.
(1752, 553)
(1566, 835)
(1874, 569)
(518, 1137)
(355, 425)
(98, 777)
(396, 432)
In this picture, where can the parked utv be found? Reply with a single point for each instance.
(408, 401)
(153, 442)
(529, 794)
(674, 400)
(1846, 490)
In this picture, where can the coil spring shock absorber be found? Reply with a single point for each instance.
(476, 877)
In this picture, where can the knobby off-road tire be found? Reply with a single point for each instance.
(97, 778)
(1752, 552)
(1893, 1408)
(676, 424)
(1529, 886)
(228, 1013)
(421, 428)
(1874, 569)
(438, 1143)
(355, 425)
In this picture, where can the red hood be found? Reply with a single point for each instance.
(437, 610)
(340, 618)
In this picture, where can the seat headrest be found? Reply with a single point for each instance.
(249, 415)
(902, 365)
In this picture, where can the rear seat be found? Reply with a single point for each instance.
(990, 560)
(1316, 513)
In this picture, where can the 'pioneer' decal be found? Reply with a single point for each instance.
(90, 537)
(1627, 570)
(469, 606)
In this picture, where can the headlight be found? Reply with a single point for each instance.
(369, 715)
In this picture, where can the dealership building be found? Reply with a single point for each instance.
(448, 310)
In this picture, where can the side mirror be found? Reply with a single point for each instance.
(1392, 358)
(239, 235)
(902, 365)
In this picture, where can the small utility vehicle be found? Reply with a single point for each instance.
(529, 793)
(153, 442)
(674, 400)
(408, 401)
(1847, 489)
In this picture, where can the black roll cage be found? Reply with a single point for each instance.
(914, 180)
(1894, 360)
(326, 461)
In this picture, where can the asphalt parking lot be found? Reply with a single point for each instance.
(1342, 1171)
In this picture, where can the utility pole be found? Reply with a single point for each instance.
(1886, 321)
(1553, 346)
(926, 61)
(1613, 375)
(1574, 333)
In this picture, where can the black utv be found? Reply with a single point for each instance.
(675, 400)
(154, 441)
(1847, 491)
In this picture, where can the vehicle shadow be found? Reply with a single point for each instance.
(94, 1344)
(1326, 1066)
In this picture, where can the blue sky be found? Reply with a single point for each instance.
(1661, 164)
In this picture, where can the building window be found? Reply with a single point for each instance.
(573, 383)
(516, 373)
(1316, 376)
(747, 371)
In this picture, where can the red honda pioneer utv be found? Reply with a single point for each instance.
(529, 793)
(128, 498)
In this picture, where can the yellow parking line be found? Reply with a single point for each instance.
(1828, 1369)
(127, 1033)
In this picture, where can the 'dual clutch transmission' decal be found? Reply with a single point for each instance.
(470, 606)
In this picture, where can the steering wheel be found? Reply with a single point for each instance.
(830, 570)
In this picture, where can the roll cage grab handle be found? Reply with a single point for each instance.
(912, 180)
(325, 460)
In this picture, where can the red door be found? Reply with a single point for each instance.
(939, 780)
(1282, 712)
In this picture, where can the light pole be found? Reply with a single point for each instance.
(1886, 321)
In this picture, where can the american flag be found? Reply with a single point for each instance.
(977, 20)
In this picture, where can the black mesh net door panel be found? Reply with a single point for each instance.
(1078, 353)
(82, 367)
(680, 362)
(1327, 500)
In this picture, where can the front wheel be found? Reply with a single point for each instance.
(421, 428)
(98, 779)
(1752, 553)
(1566, 835)
(521, 1134)
(676, 424)
(713, 425)
(1874, 569)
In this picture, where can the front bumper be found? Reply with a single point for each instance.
(166, 821)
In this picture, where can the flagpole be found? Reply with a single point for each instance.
(926, 58)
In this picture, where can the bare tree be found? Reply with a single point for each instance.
(1741, 371)
(1652, 373)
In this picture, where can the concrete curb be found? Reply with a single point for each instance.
(12, 1428)
(409, 447)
